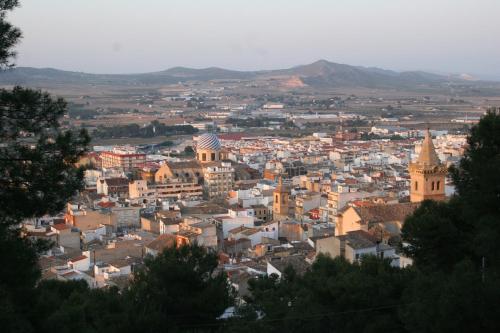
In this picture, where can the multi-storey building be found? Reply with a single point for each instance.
(218, 179)
(140, 189)
(304, 202)
(122, 158)
(339, 198)
(116, 186)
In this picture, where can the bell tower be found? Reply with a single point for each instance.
(281, 201)
(427, 174)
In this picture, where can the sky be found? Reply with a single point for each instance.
(133, 36)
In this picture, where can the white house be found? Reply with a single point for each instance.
(80, 263)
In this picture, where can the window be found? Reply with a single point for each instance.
(276, 199)
(213, 156)
(357, 256)
(432, 186)
(416, 186)
(438, 185)
(204, 157)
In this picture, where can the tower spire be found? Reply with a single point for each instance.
(428, 154)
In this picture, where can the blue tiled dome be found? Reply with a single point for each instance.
(208, 141)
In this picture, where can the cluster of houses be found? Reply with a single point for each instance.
(261, 204)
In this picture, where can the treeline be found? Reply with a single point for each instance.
(254, 122)
(136, 131)
(80, 111)
(260, 122)
(178, 291)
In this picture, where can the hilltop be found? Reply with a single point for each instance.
(320, 74)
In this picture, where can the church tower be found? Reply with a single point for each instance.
(281, 201)
(427, 174)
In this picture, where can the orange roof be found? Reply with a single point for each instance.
(107, 204)
(362, 203)
(61, 226)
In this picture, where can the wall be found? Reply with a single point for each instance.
(91, 220)
(68, 238)
(126, 217)
(148, 224)
(350, 253)
(329, 246)
(81, 265)
(348, 222)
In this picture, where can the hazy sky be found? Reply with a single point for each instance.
(123, 36)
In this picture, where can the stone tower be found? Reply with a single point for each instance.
(281, 201)
(427, 174)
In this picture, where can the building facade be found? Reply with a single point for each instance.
(142, 190)
(218, 180)
(125, 159)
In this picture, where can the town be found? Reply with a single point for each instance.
(260, 203)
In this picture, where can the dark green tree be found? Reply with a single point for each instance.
(477, 181)
(179, 290)
(456, 301)
(436, 236)
(20, 272)
(37, 176)
(455, 245)
(440, 235)
(37, 157)
(334, 296)
(9, 35)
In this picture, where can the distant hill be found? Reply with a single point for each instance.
(320, 74)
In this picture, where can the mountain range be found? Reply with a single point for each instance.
(320, 74)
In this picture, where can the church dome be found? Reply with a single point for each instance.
(208, 142)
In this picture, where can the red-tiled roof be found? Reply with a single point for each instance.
(82, 257)
(107, 204)
(61, 226)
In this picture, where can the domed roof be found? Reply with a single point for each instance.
(208, 141)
